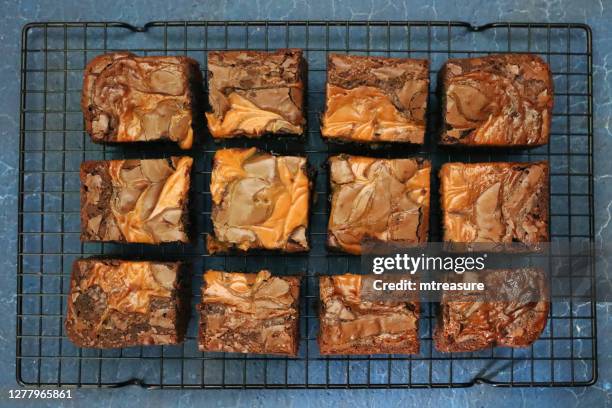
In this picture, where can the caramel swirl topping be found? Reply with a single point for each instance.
(128, 98)
(252, 93)
(130, 286)
(245, 117)
(498, 100)
(384, 200)
(352, 325)
(259, 294)
(115, 303)
(495, 202)
(249, 313)
(366, 114)
(373, 99)
(136, 200)
(467, 325)
(260, 200)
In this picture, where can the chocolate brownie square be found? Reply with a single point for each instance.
(127, 98)
(377, 201)
(352, 325)
(375, 99)
(499, 100)
(495, 202)
(260, 201)
(252, 93)
(114, 303)
(249, 313)
(141, 201)
(515, 315)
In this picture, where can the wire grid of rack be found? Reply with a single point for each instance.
(53, 144)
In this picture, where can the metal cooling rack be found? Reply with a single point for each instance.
(53, 144)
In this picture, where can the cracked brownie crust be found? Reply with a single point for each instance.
(375, 99)
(377, 200)
(499, 100)
(260, 201)
(115, 303)
(249, 313)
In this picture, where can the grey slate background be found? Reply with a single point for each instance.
(596, 13)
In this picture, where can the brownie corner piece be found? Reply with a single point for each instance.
(260, 201)
(378, 201)
(249, 313)
(136, 201)
(375, 99)
(349, 325)
(498, 100)
(127, 98)
(503, 202)
(515, 315)
(114, 303)
(252, 93)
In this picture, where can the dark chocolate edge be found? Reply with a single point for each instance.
(91, 167)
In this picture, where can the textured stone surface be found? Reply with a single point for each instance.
(597, 13)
